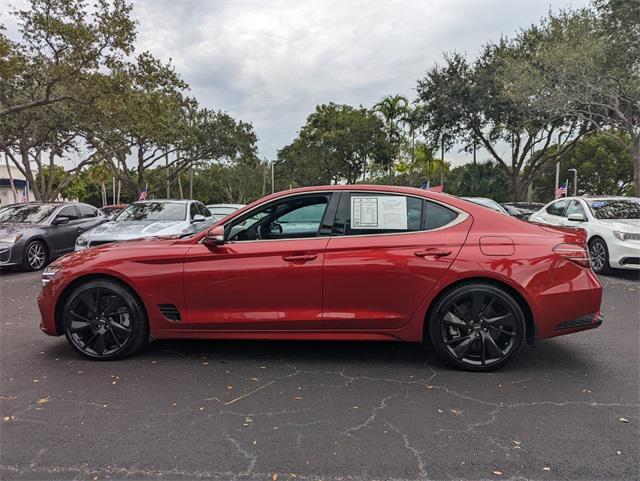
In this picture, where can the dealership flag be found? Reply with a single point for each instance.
(25, 193)
(143, 194)
(562, 190)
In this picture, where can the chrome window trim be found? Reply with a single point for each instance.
(462, 216)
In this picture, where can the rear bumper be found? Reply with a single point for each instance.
(582, 323)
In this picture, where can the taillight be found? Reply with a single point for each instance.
(577, 253)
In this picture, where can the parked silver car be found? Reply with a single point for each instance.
(34, 233)
(222, 210)
(149, 218)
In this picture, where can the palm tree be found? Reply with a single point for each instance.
(395, 111)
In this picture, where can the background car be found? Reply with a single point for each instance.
(150, 218)
(612, 225)
(371, 263)
(34, 233)
(110, 211)
(222, 210)
(490, 203)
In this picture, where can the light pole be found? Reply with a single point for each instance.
(560, 134)
(575, 181)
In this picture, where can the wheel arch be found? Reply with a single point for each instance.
(531, 328)
(64, 295)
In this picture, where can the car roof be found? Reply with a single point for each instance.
(226, 205)
(173, 201)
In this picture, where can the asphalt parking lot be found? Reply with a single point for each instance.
(568, 408)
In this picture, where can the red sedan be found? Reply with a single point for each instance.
(372, 263)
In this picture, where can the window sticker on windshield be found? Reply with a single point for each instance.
(599, 203)
(379, 212)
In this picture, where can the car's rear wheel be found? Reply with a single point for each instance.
(103, 321)
(599, 255)
(35, 256)
(477, 327)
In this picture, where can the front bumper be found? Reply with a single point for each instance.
(11, 254)
(624, 254)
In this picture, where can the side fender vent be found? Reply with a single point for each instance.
(170, 312)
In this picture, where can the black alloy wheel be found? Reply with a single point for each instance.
(35, 256)
(477, 327)
(104, 321)
(599, 255)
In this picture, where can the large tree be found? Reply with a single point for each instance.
(339, 142)
(585, 65)
(463, 102)
(64, 44)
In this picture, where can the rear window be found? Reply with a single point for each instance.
(438, 215)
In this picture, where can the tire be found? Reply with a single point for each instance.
(599, 254)
(476, 327)
(35, 256)
(103, 321)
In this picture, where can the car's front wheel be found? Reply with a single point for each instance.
(477, 327)
(599, 254)
(104, 320)
(35, 256)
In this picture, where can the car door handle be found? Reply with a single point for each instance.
(300, 257)
(432, 252)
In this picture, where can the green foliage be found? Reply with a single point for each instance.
(338, 143)
(605, 167)
(484, 179)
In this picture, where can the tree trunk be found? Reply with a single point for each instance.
(13, 187)
(636, 163)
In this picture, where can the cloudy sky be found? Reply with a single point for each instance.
(271, 62)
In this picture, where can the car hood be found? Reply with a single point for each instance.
(624, 225)
(126, 230)
(8, 229)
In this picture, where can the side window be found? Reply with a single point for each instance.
(575, 208)
(203, 210)
(294, 218)
(68, 211)
(382, 213)
(438, 215)
(193, 210)
(557, 208)
(87, 211)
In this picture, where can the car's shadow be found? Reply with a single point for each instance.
(623, 274)
(546, 356)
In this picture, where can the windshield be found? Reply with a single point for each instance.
(27, 213)
(615, 209)
(154, 211)
(491, 204)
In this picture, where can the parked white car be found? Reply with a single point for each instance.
(612, 225)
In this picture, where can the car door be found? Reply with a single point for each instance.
(268, 273)
(62, 237)
(389, 252)
(90, 217)
(554, 213)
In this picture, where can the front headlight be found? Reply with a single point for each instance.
(625, 235)
(82, 241)
(11, 239)
(49, 273)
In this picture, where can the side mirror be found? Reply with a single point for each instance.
(198, 218)
(215, 237)
(577, 218)
(60, 220)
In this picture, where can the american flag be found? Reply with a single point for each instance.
(25, 193)
(562, 190)
(143, 194)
